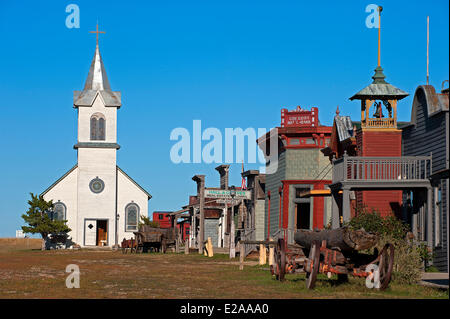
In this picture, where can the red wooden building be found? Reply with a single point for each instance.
(301, 169)
(163, 219)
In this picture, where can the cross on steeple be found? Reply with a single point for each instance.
(96, 31)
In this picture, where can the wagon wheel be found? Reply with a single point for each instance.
(312, 267)
(280, 260)
(386, 265)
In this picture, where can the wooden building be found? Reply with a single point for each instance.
(379, 136)
(163, 218)
(253, 220)
(428, 133)
(301, 168)
(221, 216)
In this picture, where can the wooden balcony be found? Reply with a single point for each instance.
(380, 171)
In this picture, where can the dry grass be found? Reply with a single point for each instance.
(108, 274)
(8, 244)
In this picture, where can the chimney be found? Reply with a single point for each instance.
(223, 171)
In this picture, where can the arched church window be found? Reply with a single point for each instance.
(131, 217)
(98, 127)
(101, 129)
(93, 128)
(59, 211)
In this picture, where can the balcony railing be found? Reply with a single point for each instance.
(355, 168)
(380, 122)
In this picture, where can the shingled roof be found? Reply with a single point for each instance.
(379, 89)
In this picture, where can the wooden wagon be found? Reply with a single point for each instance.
(333, 252)
(151, 237)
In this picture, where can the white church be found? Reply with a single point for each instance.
(101, 203)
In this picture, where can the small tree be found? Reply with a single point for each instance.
(146, 221)
(39, 220)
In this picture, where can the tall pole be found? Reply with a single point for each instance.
(380, 8)
(200, 179)
(428, 48)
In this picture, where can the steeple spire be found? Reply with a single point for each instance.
(97, 84)
(97, 79)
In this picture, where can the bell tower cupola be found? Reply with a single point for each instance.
(379, 99)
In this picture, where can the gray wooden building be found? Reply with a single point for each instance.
(428, 133)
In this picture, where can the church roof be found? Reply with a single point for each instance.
(134, 182)
(380, 89)
(76, 165)
(97, 83)
(58, 180)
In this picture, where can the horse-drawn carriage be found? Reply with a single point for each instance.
(334, 252)
(150, 238)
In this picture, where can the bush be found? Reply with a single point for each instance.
(372, 222)
(407, 259)
(408, 255)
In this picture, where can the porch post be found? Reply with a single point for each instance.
(346, 204)
(429, 218)
(334, 210)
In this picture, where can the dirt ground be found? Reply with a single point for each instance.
(31, 273)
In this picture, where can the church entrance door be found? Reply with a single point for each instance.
(90, 232)
(102, 233)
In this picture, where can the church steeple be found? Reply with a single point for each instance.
(97, 78)
(97, 83)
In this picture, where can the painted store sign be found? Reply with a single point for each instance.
(299, 117)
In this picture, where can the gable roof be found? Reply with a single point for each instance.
(59, 179)
(344, 127)
(76, 165)
(134, 182)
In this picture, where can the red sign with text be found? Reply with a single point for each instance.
(300, 117)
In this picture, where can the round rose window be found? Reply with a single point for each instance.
(97, 185)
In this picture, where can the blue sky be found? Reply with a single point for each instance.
(227, 63)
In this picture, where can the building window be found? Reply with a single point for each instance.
(97, 185)
(131, 217)
(59, 211)
(98, 127)
(161, 216)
